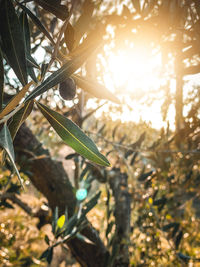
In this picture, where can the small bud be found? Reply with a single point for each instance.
(67, 89)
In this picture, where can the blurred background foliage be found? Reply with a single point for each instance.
(148, 212)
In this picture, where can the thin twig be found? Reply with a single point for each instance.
(12, 113)
(17, 201)
(126, 147)
(62, 30)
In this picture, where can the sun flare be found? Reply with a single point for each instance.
(133, 74)
(135, 68)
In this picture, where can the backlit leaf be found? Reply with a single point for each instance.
(90, 204)
(84, 238)
(15, 100)
(37, 22)
(26, 33)
(94, 88)
(69, 36)
(12, 40)
(1, 79)
(7, 145)
(19, 118)
(54, 6)
(83, 23)
(73, 136)
(60, 75)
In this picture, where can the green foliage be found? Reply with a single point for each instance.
(6, 143)
(73, 136)
(154, 183)
(12, 40)
(65, 230)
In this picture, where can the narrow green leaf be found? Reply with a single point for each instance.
(26, 33)
(31, 73)
(133, 158)
(44, 69)
(62, 74)
(12, 40)
(168, 226)
(1, 79)
(183, 257)
(54, 219)
(109, 228)
(15, 100)
(94, 88)
(6, 143)
(44, 254)
(50, 255)
(73, 136)
(31, 61)
(37, 22)
(69, 36)
(46, 238)
(83, 23)
(84, 238)
(91, 204)
(71, 224)
(178, 239)
(144, 176)
(54, 6)
(19, 118)
(6, 204)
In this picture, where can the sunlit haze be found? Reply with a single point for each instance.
(134, 74)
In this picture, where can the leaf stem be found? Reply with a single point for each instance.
(12, 113)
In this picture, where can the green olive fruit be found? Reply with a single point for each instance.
(67, 89)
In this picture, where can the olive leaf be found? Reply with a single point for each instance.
(12, 40)
(83, 23)
(1, 79)
(69, 36)
(7, 145)
(62, 74)
(15, 100)
(19, 118)
(54, 6)
(26, 33)
(73, 136)
(94, 88)
(37, 22)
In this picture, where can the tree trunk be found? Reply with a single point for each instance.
(50, 178)
(122, 213)
(179, 83)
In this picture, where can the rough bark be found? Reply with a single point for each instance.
(179, 84)
(50, 178)
(119, 186)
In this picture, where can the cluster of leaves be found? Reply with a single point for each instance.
(65, 229)
(160, 183)
(163, 184)
(16, 49)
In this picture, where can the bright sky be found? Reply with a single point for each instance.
(133, 74)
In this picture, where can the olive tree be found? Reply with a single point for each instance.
(72, 34)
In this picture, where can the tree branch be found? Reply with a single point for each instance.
(17, 201)
(50, 178)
